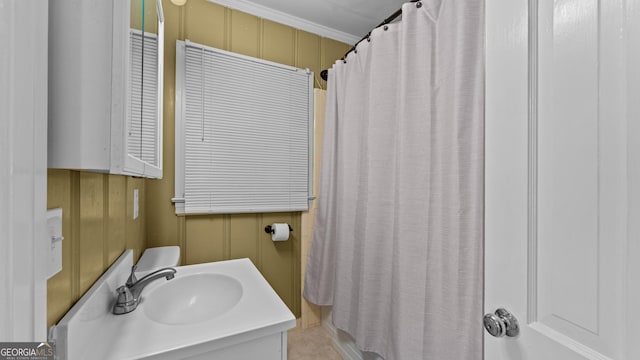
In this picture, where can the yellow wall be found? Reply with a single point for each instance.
(97, 226)
(219, 237)
(150, 16)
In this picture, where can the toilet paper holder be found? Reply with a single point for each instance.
(270, 230)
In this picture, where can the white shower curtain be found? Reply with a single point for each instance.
(397, 248)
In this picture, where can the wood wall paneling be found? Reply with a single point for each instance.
(243, 240)
(91, 229)
(245, 34)
(97, 226)
(278, 43)
(205, 236)
(116, 234)
(204, 23)
(308, 52)
(59, 294)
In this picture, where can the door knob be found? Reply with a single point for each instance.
(501, 323)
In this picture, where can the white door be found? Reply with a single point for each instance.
(562, 156)
(23, 170)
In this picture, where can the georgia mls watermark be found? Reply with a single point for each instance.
(26, 351)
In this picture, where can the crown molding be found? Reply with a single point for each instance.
(287, 19)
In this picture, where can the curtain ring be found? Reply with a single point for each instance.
(418, 4)
(368, 38)
(355, 51)
(386, 28)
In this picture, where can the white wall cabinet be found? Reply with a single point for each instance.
(105, 86)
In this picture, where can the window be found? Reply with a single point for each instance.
(244, 133)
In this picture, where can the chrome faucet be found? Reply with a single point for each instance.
(129, 293)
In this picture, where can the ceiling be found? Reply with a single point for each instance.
(343, 20)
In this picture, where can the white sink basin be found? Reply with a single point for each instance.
(219, 310)
(191, 299)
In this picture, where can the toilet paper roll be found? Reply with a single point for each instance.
(280, 232)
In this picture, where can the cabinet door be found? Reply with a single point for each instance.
(105, 86)
(144, 115)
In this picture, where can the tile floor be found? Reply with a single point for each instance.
(310, 344)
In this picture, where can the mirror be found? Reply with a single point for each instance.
(144, 16)
(145, 81)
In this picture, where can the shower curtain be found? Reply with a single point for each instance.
(397, 246)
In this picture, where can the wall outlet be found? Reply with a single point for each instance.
(136, 208)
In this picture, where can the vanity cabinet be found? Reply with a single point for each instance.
(105, 86)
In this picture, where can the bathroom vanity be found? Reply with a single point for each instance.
(219, 310)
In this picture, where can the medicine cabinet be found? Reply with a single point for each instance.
(106, 85)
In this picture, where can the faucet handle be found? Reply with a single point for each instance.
(125, 297)
(125, 302)
(132, 277)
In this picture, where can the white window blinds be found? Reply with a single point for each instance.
(142, 122)
(243, 133)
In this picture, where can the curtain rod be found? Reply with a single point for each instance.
(324, 74)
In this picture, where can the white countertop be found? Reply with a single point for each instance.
(92, 331)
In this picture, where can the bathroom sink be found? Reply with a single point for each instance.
(191, 299)
(217, 310)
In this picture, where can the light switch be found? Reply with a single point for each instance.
(54, 238)
(135, 204)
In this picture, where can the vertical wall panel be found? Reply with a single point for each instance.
(278, 42)
(205, 237)
(277, 257)
(308, 53)
(295, 237)
(115, 238)
(243, 235)
(75, 235)
(204, 23)
(245, 34)
(91, 228)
